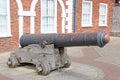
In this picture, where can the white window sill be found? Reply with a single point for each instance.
(5, 36)
(103, 25)
(87, 25)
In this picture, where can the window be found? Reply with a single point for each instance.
(4, 18)
(86, 13)
(48, 14)
(103, 14)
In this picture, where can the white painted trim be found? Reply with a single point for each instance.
(34, 2)
(5, 35)
(55, 16)
(88, 25)
(55, 20)
(19, 3)
(63, 15)
(20, 26)
(69, 11)
(20, 8)
(41, 17)
(69, 19)
(105, 14)
(69, 3)
(32, 24)
(32, 18)
(26, 13)
(63, 24)
(8, 18)
(30, 13)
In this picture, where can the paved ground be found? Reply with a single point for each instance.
(88, 63)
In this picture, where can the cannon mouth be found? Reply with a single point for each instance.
(102, 39)
(107, 38)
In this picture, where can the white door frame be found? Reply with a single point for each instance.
(32, 19)
(31, 14)
(63, 15)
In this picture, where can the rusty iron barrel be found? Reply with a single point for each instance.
(67, 39)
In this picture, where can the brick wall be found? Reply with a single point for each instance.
(12, 43)
(59, 19)
(95, 16)
(38, 17)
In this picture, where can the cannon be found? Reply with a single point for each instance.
(47, 51)
(66, 40)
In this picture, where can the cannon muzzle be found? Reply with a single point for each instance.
(67, 39)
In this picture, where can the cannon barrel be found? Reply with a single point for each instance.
(66, 39)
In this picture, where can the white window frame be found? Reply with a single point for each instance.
(103, 4)
(55, 20)
(8, 34)
(87, 25)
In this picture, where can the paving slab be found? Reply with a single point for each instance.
(111, 52)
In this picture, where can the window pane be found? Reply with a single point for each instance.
(4, 18)
(3, 25)
(48, 15)
(44, 19)
(3, 8)
(102, 10)
(102, 20)
(103, 14)
(86, 13)
(51, 7)
(51, 21)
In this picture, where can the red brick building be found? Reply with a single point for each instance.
(18, 17)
